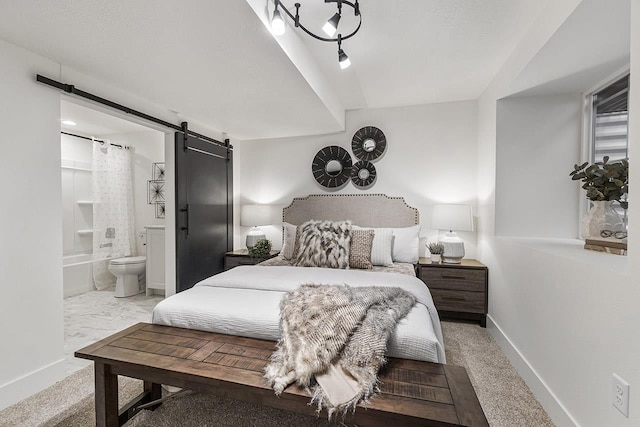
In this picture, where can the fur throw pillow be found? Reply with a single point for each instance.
(323, 244)
(360, 251)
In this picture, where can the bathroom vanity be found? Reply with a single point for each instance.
(155, 259)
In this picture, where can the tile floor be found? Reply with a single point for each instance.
(94, 315)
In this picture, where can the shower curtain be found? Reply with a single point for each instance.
(113, 220)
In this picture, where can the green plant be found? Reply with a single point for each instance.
(604, 180)
(435, 248)
(261, 249)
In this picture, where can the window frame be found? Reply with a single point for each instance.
(588, 128)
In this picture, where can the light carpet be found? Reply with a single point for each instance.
(505, 398)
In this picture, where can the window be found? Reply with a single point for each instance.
(609, 136)
(610, 121)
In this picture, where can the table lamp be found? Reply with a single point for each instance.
(255, 216)
(452, 217)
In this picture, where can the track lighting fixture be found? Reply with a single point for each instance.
(330, 27)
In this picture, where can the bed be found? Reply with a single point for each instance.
(244, 301)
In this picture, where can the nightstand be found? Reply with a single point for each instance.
(460, 291)
(241, 257)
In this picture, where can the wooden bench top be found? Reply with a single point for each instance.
(413, 393)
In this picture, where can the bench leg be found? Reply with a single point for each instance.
(155, 393)
(106, 396)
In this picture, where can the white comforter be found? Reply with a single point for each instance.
(245, 301)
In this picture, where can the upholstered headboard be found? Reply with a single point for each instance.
(365, 210)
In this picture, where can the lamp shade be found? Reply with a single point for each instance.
(452, 217)
(256, 215)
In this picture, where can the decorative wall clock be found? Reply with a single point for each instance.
(331, 166)
(368, 143)
(363, 174)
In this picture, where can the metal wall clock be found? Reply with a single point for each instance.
(331, 166)
(368, 143)
(363, 174)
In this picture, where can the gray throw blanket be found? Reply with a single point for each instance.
(333, 341)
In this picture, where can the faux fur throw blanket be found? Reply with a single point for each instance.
(333, 341)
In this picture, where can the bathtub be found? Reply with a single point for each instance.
(77, 274)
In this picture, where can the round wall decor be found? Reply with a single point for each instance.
(331, 166)
(368, 143)
(363, 174)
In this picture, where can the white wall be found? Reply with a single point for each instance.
(538, 141)
(430, 159)
(31, 324)
(567, 318)
(76, 185)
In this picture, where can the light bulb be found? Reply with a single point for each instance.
(331, 26)
(343, 59)
(277, 23)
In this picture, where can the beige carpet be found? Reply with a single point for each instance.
(504, 396)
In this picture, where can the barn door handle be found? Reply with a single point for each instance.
(186, 227)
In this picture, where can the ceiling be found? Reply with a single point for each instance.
(90, 122)
(215, 62)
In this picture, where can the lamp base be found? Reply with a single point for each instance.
(453, 248)
(254, 236)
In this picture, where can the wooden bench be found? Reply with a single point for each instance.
(413, 393)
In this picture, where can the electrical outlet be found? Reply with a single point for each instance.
(620, 395)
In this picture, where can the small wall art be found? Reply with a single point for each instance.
(158, 171)
(155, 188)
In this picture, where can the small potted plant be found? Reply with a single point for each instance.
(605, 182)
(261, 249)
(436, 249)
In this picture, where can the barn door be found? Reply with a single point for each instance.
(204, 208)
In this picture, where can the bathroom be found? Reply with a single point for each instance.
(89, 265)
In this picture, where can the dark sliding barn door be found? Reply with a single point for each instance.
(204, 208)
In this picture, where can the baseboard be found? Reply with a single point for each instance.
(16, 390)
(556, 410)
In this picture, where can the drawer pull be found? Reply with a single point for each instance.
(453, 298)
(454, 277)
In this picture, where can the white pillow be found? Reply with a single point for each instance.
(406, 244)
(289, 241)
(381, 247)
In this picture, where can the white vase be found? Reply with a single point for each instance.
(435, 258)
(600, 217)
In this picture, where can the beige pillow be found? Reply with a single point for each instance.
(382, 246)
(360, 252)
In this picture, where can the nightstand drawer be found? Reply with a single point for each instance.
(462, 301)
(462, 279)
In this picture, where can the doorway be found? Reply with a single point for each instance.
(91, 314)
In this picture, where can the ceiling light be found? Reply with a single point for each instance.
(343, 59)
(277, 23)
(69, 122)
(330, 27)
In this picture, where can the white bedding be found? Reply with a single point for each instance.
(245, 301)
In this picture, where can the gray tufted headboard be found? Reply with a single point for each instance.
(365, 210)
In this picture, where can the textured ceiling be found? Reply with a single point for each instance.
(215, 62)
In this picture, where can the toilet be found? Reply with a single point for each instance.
(129, 273)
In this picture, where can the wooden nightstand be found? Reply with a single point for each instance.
(460, 291)
(241, 257)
